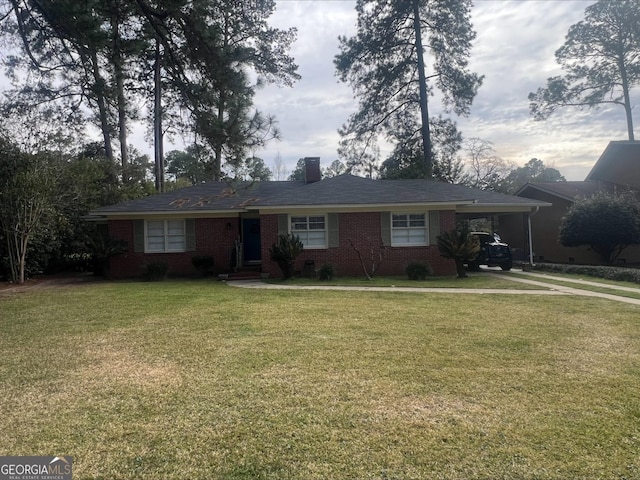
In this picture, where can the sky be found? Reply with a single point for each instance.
(514, 50)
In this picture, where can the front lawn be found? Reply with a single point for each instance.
(199, 380)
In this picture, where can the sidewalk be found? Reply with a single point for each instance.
(502, 291)
(581, 282)
(546, 282)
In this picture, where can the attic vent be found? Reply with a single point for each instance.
(312, 169)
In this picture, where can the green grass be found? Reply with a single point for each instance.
(199, 380)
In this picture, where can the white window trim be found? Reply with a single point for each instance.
(425, 229)
(326, 230)
(166, 236)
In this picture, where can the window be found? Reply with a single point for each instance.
(165, 236)
(311, 229)
(408, 229)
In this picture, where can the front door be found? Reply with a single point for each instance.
(251, 247)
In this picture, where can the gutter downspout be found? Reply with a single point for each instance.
(531, 214)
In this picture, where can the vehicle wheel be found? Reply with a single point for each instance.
(506, 266)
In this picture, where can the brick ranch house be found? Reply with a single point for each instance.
(237, 224)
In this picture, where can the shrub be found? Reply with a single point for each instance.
(607, 223)
(284, 252)
(610, 273)
(375, 256)
(204, 264)
(101, 248)
(326, 272)
(419, 271)
(155, 271)
(460, 246)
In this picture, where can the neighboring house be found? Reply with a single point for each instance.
(237, 223)
(617, 169)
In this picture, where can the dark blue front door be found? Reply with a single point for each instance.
(251, 239)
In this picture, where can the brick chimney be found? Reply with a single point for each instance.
(312, 169)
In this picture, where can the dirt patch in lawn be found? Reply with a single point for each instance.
(112, 364)
(430, 410)
(63, 280)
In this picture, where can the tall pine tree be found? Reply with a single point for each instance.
(392, 78)
(601, 58)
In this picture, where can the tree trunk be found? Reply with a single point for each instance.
(14, 257)
(17, 250)
(102, 106)
(23, 257)
(122, 123)
(217, 160)
(627, 102)
(118, 73)
(157, 121)
(424, 110)
(462, 273)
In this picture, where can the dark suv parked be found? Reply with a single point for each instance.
(493, 252)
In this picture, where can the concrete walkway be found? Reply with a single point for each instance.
(549, 281)
(545, 281)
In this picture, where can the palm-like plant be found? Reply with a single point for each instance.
(460, 246)
(284, 253)
(102, 248)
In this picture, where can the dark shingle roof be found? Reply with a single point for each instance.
(343, 190)
(205, 197)
(443, 192)
(619, 164)
(567, 190)
(351, 190)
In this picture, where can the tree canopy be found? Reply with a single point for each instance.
(194, 64)
(601, 58)
(533, 171)
(406, 159)
(385, 65)
(297, 174)
(485, 170)
(607, 223)
(44, 198)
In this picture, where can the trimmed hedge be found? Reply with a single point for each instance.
(598, 271)
(326, 272)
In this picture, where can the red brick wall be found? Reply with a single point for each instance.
(364, 230)
(212, 238)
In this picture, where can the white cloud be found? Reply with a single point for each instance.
(514, 49)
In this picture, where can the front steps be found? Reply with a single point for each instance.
(247, 272)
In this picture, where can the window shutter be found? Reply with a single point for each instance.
(190, 234)
(385, 228)
(138, 236)
(283, 224)
(434, 227)
(334, 237)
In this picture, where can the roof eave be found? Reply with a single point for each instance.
(165, 213)
(502, 207)
(358, 206)
(543, 190)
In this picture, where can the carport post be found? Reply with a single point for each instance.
(531, 214)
